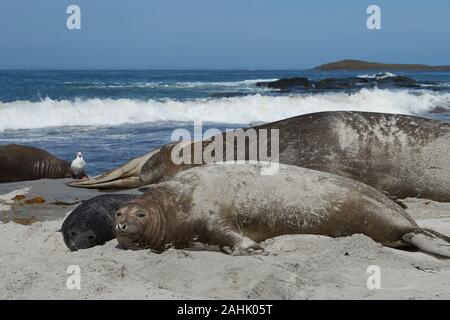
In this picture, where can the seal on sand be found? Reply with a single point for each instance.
(23, 163)
(402, 156)
(92, 223)
(234, 206)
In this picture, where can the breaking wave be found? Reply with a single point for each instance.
(247, 109)
(174, 85)
(377, 76)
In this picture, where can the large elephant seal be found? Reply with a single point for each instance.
(400, 155)
(92, 223)
(23, 163)
(235, 206)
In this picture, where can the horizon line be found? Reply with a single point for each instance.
(155, 69)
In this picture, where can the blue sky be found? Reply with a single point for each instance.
(219, 34)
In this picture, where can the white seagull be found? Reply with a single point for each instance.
(78, 165)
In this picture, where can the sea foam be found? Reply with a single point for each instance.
(247, 109)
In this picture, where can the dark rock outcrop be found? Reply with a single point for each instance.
(397, 82)
(300, 83)
(287, 83)
(340, 83)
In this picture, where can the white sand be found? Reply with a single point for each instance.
(34, 261)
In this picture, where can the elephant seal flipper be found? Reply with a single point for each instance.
(429, 241)
(124, 177)
(114, 184)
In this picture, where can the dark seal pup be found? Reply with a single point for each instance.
(24, 163)
(235, 206)
(92, 223)
(402, 156)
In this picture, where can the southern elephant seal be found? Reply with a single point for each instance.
(23, 163)
(92, 223)
(402, 156)
(233, 205)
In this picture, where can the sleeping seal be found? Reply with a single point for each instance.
(402, 156)
(92, 222)
(234, 206)
(23, 163)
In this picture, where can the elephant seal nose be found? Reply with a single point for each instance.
(121, 226)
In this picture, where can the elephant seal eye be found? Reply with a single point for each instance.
(141, 215)
(118, 214)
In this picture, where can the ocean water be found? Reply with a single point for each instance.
(113, 116)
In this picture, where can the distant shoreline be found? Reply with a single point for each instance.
(366, 65)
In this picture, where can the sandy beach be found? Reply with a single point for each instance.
(35, 260)
(337, 109)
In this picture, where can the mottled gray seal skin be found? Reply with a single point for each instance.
(234, 206)
(24, 163)
(92, 223)
(402, 156)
